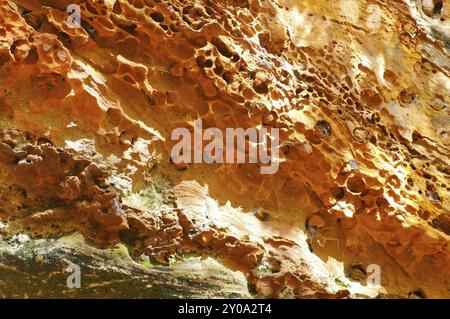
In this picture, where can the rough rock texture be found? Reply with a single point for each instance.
(359, 90)
(42, 267)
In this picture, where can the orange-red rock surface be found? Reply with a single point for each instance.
(358, 88)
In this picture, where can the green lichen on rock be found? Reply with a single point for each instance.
(31, 268)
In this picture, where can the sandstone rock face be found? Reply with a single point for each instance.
(358, 89)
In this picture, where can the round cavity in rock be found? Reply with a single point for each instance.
(416, 294)
(203, 62)
(433, 195)
(445, 138)
(361, 135)
(138, 4)
(438, 5)
(356, 184)
(438, 104)
(357, 272)
(117, 9)
(410, 181)
(260, 87)
(428, 7)
(157, 17)
(228, 77)
(407, 96)
(324, 127)
(442, 222)
(222, 47)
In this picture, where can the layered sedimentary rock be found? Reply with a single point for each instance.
(358, 89)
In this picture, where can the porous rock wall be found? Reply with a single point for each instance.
(358, 88)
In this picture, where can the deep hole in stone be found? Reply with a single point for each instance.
(437, 8)
(157, 17)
